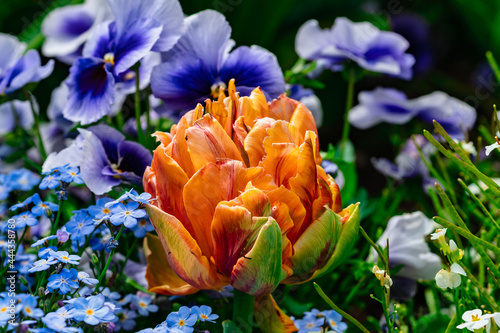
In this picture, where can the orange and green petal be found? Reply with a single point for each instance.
(183, 253)
(162, 279)
(315, 246)
(259, 271)
(271, 318)
(350, 228)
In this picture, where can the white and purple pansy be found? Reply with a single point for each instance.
(201, 64)
(114, 48)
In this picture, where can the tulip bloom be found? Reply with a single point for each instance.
(242, 199)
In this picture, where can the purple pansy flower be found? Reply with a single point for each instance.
(372, 49)
(408, 163)
(392, 106)
(18, 69)
(201, 64)
(105, 158)
(67, 28)
(113, 48)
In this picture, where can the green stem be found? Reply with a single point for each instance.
(140, 134)
(129, 252)
(36, 117)
(108, 262)
(493, 64)
(377, 248)
(243, 311)
(452, 323)
(336, 308)
(58, 218)
(486, 295)
(348, 107)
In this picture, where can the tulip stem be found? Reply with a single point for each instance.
(243, 311)
(348, 107)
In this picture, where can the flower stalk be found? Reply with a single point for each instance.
(243, 311)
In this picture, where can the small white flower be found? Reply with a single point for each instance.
(438, 234)
(492, 147)
(450, 278)
(468, 147)
(474, 320)
(385, 279)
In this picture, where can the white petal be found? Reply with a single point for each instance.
(443, 279)
(456, 268)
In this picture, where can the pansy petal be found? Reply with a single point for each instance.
(195, 41)
(91, 89)
(166, 13)
(136, 43)
(182, 82)
(160, 276)
(253, 67)
(259, 271)
(93, 162)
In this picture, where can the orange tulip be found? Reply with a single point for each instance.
(242, 200)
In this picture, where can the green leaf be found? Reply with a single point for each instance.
(230, 327)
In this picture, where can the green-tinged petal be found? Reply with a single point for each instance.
(183, 253)
(315, 246)
(160, 276)
(346, 241)
(270, 317)
(259, 271)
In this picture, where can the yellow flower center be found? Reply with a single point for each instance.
(43, 205)
(181, 322)
(142, 222)
(89, 312)
(109, 57)
(127, 213)
(142, 304)
(65, 258)
(217, 88)
(475, 318)
(28, 310)
(332, 323)
(106, 211)
(3, 309)
(203, 316)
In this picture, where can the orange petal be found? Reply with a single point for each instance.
(304, 184)
(207, 141)
(160, 276)
(183, 253)
(271, 318)
(281, 162)
(254, 200)
(254, 141)
(170, 182)
(232, 228)
(212, 184)
(239, 135)
(179, 147)
(163, 137)
(282, 132)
